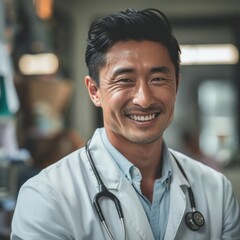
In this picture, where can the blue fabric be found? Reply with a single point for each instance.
(4, 110)
(157, 212)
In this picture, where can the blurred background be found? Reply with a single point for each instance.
(45, 111)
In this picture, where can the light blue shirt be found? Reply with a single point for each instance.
(157, 211)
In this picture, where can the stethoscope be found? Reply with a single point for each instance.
(194, 219)
(104, 193)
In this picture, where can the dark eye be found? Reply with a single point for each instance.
(125, 81)
(157, 80)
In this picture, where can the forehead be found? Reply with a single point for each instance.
(126, 52)
(137, 55)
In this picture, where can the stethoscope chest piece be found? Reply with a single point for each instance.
(194, 220)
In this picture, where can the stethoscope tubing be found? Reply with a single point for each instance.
(104, 192)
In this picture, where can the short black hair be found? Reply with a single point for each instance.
(149, 24)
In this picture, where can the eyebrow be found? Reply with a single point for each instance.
(121, 71)
(160, 69)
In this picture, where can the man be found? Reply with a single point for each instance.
(133, 62)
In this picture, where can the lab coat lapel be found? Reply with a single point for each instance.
(136, 222)
(134, 214)
(177, 202)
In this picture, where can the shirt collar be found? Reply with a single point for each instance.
(127, 167)
(122, 162)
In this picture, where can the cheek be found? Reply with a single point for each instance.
(171, 108)
(114, 109)
(111, 104)
(167, 97)
(172, 100)
(116, 99)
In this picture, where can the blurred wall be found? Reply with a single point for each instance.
(2, 27)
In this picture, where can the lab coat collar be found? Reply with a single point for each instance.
(110, 174)
(178, 176)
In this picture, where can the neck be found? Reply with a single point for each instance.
(147, 158)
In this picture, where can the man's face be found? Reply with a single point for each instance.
(137, 91)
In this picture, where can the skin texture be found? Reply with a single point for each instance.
(137, 93)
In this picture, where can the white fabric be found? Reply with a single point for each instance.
(8, 139)
(57, 203)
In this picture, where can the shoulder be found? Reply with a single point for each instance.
(208, 184)
(58, 175)
(190, 163)
(51, 195)
(72, 168)
(199, 173)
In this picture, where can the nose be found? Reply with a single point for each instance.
(143, 95)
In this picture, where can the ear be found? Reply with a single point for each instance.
(93, 91)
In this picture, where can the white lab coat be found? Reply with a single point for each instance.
(57, 203)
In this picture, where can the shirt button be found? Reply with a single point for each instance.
(136, 172)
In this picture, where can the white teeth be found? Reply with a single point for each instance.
(142, 118)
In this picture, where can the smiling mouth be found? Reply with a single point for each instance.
(141, 118)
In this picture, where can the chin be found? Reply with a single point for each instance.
(144, 139)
